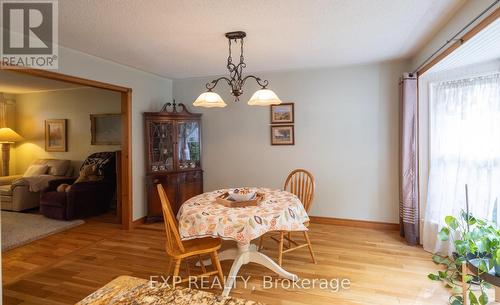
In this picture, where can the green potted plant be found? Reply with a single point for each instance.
(475, 241)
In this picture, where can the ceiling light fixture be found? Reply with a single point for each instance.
(262, 97)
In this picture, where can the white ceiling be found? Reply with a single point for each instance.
(184, 38)
(484, 46)
(18, 83)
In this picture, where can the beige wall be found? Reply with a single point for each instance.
(346, 134)
(11, 123)
(75, 105)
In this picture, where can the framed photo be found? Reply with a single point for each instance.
(55, 135)
(282, 135)
(106, 129)
(282, 113)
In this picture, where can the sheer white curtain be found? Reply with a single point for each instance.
(464, 149)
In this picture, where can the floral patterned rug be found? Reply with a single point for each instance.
(127, 290)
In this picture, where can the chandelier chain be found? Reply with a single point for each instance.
(242, 59)
(229, 59)
(236, 80)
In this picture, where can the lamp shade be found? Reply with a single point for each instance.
(209, 99)
(8, 135)
(264, 97)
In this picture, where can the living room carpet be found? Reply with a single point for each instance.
(128, 290)
(21, 228)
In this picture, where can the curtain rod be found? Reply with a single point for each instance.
(454, 38)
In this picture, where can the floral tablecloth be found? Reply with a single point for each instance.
(201, 216)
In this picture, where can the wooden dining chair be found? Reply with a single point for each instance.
(178, 250)
(300, 183)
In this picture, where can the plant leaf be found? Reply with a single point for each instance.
(486, 285)
(482, 266)
(472, 298)
(468, 278)
(444, 234)
(437, 259)
(457, 289)
(483, 298)
(456, 300)
(442, 274)
(451, 222)
(433, 277)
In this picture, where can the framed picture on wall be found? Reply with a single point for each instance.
(282, 113)
(106, 129)
(282, 135)
(55, 135)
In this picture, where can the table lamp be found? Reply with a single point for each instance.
(7, 136)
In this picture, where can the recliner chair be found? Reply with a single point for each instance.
(84, 199)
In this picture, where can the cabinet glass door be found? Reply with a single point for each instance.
(161, 146)
(188, 144)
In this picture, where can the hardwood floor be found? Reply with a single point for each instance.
(66, 267)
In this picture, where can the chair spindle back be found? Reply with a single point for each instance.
(174, 243)
(301, 183)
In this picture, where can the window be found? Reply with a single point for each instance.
(464, 130)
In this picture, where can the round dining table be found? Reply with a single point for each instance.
(201, 216)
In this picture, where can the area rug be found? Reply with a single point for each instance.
(127, 290)
(21, 228)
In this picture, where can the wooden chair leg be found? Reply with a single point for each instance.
(280, 249)
(306, 236)
(261, 243)
(216, 263)
(170, 265)
(187, 268)
(177, 267)
(203, 269)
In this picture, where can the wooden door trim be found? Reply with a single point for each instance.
(467, 36)
(126, 105)
(66, 78)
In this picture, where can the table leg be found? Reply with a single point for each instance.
(248, 254)
(228, 254)
(259, 258)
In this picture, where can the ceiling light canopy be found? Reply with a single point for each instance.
(262, 97)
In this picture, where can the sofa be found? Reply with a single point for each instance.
(83, 199)
(22, 192)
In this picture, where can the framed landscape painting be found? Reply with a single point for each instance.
(55, 135)
(282, 113)
(282, 135)
(106, 129)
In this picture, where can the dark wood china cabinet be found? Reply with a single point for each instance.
(173, 157)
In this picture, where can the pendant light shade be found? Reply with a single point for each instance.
(264, 97)
(209, 99)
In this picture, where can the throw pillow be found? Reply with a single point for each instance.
(87, 173)
(36, 170)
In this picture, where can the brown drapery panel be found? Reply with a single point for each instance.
(408, 167)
